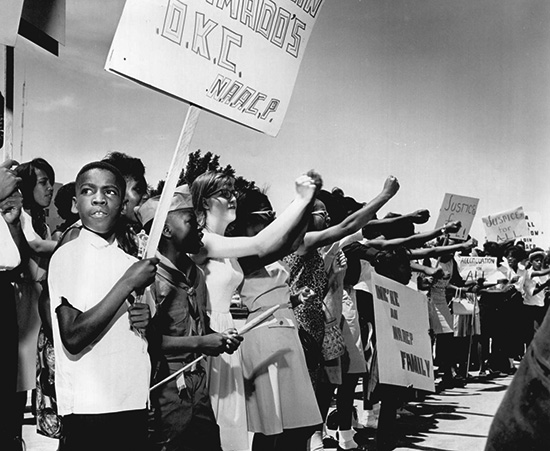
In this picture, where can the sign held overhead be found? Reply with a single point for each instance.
(236, 58)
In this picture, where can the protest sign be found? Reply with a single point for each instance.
(403, 344)
(506, 226)
(536, 236)
(10, 15)
(236, 58)
(43, 22)
(474, 268)
(458, 208)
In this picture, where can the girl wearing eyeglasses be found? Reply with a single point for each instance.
(215, 203)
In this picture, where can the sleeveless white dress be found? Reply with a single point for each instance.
(225, 375)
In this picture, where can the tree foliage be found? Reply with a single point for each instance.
(198, 164)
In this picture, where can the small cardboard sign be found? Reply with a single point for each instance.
(402, 339)
(236, 58)
(506, 226)
(458, 208)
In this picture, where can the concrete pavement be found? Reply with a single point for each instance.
(456, 419)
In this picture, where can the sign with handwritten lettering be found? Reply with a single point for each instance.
(458, 208)
(474, 268)
(236, 58)
(402, 340)
(506, 226)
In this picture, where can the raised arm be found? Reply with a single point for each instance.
(438, 251)
(37, 244)
(271, 239)
(416, 240)
(353, 222)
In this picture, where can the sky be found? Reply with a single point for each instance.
(448, 96)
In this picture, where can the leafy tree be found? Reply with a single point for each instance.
(198, 164)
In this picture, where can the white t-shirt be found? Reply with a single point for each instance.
(112, 374)
(529, 285)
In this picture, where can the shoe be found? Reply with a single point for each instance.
(346, 440)
(315, 442)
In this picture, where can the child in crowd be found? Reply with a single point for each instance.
(63, 203)
(182, 417)
(133, 172)
(102, 364)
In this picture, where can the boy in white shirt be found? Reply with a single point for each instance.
(102, 365)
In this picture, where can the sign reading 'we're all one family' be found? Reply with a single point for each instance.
(236, 58)
(402, 337)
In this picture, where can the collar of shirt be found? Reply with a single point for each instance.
(96, 240)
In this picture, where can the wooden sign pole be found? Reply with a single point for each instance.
(178, 160)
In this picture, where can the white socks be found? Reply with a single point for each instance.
(345, 439)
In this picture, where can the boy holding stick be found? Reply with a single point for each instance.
(102, 364)
(181, 412)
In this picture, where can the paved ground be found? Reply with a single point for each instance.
(457, 419)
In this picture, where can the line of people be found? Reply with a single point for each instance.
(107, 325)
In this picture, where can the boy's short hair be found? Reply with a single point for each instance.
(516, 252)
(105, 167)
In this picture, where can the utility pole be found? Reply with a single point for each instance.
(6, 87)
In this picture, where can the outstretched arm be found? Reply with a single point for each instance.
(271, 239)
(416, 240)
(353, 222)
(438, 251)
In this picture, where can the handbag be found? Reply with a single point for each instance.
(334, 345)
(463, 305)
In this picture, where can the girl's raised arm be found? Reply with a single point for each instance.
(353, 222)
(269, 239)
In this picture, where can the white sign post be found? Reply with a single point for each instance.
(458, 208)
(403, 343)
(507, 226)
(236, 58)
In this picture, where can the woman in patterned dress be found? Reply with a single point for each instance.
(307, 273)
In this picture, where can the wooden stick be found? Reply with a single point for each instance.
(178, 159)
(259, 319)
(177, 373)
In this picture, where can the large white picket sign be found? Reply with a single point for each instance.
(506, 226)
(458, 208)
(402, 340)
(236, 58)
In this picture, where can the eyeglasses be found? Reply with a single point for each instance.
(264, 214)
(322, 213)
(226, 193)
